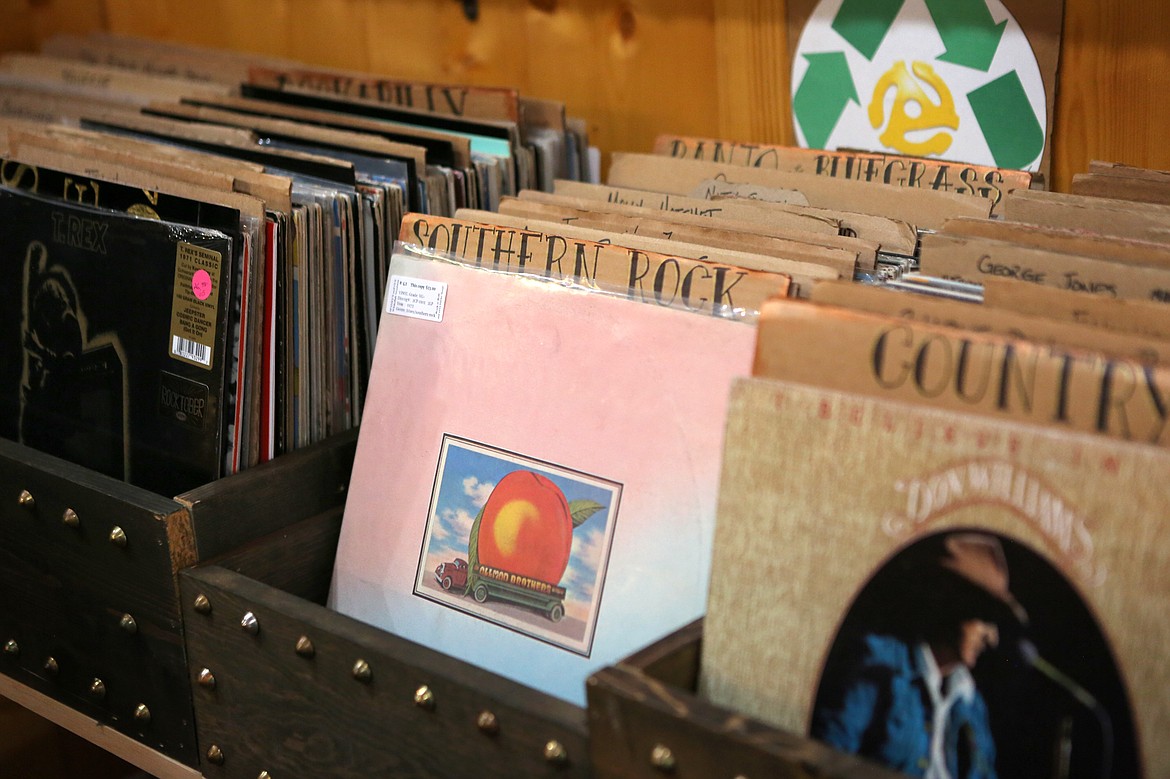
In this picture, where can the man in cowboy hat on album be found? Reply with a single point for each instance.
(906, 697)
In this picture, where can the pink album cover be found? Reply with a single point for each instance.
(536, 475)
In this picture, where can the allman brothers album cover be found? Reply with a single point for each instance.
(534, 485)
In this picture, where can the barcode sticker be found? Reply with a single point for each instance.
(191, 350)
(417, 298)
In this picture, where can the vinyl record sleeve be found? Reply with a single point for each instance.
(842, 521)
(587, 428)
(114, 339)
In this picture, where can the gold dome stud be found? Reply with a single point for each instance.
(662, 758)
(555, 753)
(424, 698)
(488, 723)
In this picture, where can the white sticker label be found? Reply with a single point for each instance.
(416, 298)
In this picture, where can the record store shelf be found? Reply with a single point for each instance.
(202, 646)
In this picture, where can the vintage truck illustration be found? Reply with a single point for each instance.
(498, 584)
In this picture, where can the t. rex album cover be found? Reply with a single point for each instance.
(114, 340)
(945, 594)
(535, 480)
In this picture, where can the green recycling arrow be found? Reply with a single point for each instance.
(825, 90)
(864, 23)
(967, 30)
(1009, 124)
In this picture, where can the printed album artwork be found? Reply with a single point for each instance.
(114, 329)
(534, 485)
(985, 598)
(518, 542)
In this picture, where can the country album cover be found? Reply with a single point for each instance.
(945, 594)
(113, 338)
(534, 485)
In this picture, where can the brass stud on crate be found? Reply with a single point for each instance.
(214, 755)
(207, 679)
(26, 500)
(361, 670)
(250, 624)
(97, 688)
(555, 753)
(662, 758)
(305, 647)
(488, 723)
(424, 698)
(70, 518)
(264, 775)
(51, 667)
(11, 647)
(142, 714)
(128, 623)
(202, 604)
(118, 537)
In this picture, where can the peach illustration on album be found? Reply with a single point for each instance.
(518, 542)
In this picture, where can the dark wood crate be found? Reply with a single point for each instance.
(360, 702)
(646, 721)
(89, 601)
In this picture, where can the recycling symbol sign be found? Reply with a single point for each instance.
(955, 79)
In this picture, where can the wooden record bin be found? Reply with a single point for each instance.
(284, 685)
(647, 721)
(89, 600)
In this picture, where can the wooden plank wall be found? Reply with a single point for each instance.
(633, 68)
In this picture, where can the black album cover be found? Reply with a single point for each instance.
(114, 340)
(116, 196)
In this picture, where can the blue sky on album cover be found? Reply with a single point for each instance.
(467, 480)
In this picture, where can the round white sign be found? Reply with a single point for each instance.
(952, 79)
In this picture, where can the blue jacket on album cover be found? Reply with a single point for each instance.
(883, 709)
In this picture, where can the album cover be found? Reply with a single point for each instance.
(535, 479)
(936, 590)
(114, 332)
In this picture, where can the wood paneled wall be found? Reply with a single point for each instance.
(634, 68)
